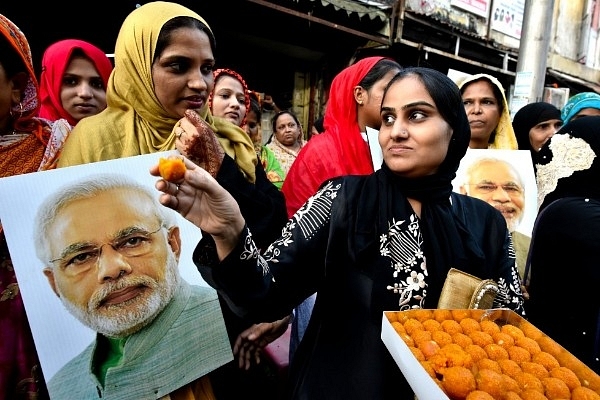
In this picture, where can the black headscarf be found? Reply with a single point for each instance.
(447, 241)
(568, 164)
(529, 116)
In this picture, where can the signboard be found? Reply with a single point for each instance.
(507, 17)
(477, 7)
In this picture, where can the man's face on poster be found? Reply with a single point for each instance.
(499, 184)
(114, 266)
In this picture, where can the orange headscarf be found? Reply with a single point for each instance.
(27, 110)
(54, 63)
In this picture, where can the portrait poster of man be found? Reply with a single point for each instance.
(503, 178)
(59, 336)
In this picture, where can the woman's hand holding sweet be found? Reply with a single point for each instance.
(200, 199)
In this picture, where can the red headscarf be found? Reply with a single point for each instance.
(224, 71)
(54, 63)
(340, 150)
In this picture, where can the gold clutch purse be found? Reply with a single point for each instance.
(462, 291)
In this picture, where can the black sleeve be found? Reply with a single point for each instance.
(262, 205)
(244, 283)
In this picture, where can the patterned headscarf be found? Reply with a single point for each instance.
(504, 135)
(26, 111)
(578, 102)
(224, 71)
(54, 63)
(568, 163)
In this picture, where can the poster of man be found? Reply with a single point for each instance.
(116, 307)
(505, 179)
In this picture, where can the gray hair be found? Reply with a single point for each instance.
(86, 188)
(477, 163)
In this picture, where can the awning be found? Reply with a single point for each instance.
(371, 8)
(595, 87)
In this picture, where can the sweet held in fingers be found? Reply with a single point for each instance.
(172, 168)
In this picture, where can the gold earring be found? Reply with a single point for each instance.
(360, 103)
(12, 113)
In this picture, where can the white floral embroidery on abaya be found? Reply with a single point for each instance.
(309, 222)
(402, 244)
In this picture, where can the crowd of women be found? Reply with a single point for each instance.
(315, 232)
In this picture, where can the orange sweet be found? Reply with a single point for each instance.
(431, 325)
(171, 169)
(420, 336)
(546, 360)
(459, 315)
(528, 381)
(476, 352)
(512, 330)
(458, 382)
(503, 339)
(417, 353)
(495, 352)
(583, 393)
(532, 395)
(489, 326)
(491, 382)
(479, 395)
(451, 326)
(422, 314)
(509, 367)
(412, 325)
(471, 359)
(428, 348)
(511, 396)
(510, 384)
(398, 327)
(461, 339)
(442, 338)
(469, 325)
(486, 363)
(555, 389)
(567, 376)
(442, 315)
(518, 354)
(537, 370)
(481, 338)
(528, 344)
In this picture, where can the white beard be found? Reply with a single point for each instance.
(129, 317)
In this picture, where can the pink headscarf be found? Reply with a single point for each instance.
(54, 63)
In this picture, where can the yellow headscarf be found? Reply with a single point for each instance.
(505, 137)
(135, 122)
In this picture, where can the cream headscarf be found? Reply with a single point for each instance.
(505, 137)
(135, 122)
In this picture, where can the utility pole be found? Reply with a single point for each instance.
(535, 45)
